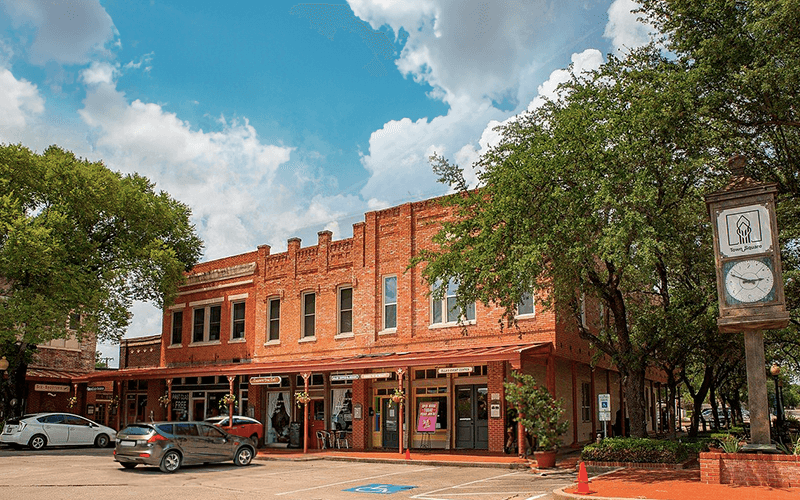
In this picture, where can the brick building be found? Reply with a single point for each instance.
(349, 322)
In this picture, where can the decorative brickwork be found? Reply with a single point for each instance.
(750, 469)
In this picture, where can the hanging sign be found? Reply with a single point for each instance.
(51, 388)
(95, 389)
(345, 376)
(456, 369)
(265, 380)
(428, 412)
(376, 375)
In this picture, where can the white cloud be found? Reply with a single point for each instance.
(624, 29)
(67, 32)
(99, 72)
(20, 103)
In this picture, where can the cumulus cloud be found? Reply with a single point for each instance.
(67, 32)
(624, 28)
(20, 103)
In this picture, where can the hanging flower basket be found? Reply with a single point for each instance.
(398, 396)
(73, 401)
(114, 402)
(227, 400)
(164, 400)
(302, 398)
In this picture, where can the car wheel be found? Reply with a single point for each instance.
(243, 456)
(254, 437)
(101, 441)
(128, 465)
(38, 442)
(171, 461)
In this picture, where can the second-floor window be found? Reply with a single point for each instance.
(309, 314)
(274, 320)
(346, 309)
(206, 325)
(525, 307)
(445, 310)
(237, 318)
(389, 302)
(177, 327)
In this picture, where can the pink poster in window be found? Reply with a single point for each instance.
(428, 412)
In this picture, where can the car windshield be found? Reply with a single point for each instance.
(137, 430)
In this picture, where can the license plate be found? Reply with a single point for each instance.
(127, 443)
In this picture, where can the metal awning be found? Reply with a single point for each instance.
(385, 360)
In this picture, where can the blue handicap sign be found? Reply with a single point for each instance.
(383, 489)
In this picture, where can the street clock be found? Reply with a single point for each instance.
(747, 253)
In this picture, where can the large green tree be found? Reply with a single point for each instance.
(78, 240)
(596, 194)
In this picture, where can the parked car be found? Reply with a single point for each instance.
(55, 429)
(242, 426)
(169, 445)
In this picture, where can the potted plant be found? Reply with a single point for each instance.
(540, 414)
(164, 400)
(227, 400)
(302, 398)
(398, 396)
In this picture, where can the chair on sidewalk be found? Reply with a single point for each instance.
(323, 440)
(341, 439)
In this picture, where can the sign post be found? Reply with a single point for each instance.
(749, 280)
(604, 410)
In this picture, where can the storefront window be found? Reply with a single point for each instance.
(341, 410)
(441, 418)
(277, 417)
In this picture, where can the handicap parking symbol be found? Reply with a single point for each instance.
(382, 489)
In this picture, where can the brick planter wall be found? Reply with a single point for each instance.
(750, 469)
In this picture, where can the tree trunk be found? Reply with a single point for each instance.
(635, 401)
(672, 389)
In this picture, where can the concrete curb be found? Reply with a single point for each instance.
(560, 494)
(394, 461)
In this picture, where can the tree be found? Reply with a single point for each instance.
(589, 195)
(79, 240)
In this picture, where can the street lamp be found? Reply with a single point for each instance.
(775, 371)
(3, 364)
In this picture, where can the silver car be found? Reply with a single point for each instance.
(170, 445)
(55, 429)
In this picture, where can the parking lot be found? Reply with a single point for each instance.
(84, 473)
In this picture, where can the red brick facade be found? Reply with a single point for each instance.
(217, 335)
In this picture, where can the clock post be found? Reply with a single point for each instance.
(749, 282)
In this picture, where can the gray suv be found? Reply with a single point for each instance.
(172, 444)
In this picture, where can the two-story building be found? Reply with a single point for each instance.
(349, 322)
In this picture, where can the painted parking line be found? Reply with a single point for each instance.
(427, 495)
(357, 480)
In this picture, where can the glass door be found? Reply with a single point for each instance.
(390, 416)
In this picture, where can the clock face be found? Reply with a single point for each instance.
(749, 281)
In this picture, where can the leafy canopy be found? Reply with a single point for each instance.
(78, 238)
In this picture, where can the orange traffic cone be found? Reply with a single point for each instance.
(408, 454)
(583, 481)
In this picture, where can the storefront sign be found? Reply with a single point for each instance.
(428, 412)
(358, 411)
(456, 369)
(376, 375)
(104, 396)
(494, 410)
(346, 376)
(265, 380)
(95, 389)
(51, 388)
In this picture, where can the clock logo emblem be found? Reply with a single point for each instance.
(749, 281)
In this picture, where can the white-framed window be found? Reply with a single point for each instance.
(177, 327)
(445, 311)
(586, 401)
(526, 305)
(309, 314)
(389, 302)
(274, 319)
(206, 323)
(584, 323)
(345, 301)
(238, 310)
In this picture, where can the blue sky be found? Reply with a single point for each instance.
(279, 119)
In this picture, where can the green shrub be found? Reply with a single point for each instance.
(636, 450)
